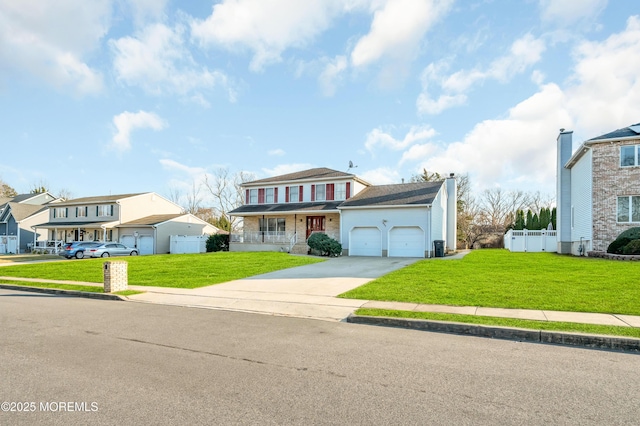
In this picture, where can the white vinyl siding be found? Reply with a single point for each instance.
(581, 198)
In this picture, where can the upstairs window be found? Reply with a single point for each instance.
(321, 192)
(628, 209)
(269, 196)
(253, 196)
(60, 212)
(104, 210)
(340, 192)
(629, 156)
(294, 196)
(82, 211)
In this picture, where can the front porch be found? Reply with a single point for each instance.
(287, 233)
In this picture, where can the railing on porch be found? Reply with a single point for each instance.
(267, 237)
(46, 247)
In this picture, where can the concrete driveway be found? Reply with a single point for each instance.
(305, 291)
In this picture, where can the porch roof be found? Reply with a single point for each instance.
(73, 225)
(259, 209)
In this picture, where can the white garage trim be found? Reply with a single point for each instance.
(406, 241)
(365, 241)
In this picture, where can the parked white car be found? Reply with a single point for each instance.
(111, 249)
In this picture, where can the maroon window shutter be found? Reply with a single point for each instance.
(275, 195)
(348, 190)
(313, 192)
(300, 196)
(261, 196)
(329, 192)
(247, 200)
(286, 194)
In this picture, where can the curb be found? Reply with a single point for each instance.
(74, 293)
(591, 341)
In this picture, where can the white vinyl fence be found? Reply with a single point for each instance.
(531, 241)
(8, 244)
(181, 244)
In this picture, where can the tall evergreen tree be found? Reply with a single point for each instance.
(519, 224)
(529, 222)
(553, 218)
(535, 222)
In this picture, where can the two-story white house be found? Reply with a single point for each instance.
(598, 189)
(144, 220)
(403, 220)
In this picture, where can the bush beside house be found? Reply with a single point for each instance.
(218, 242)
(324, 245)
(627, 242)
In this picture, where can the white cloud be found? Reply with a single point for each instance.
(397, 29)
(332, 73)
(604, 87)
(172, 165)
(418, 152)
(381, 176)
(523, 53)
(147, 10)
(565, 13)
(283, 169)
(157, 60)
(277, 152)
(49, 40)
(380, 138)
(265, 27)
(127, 122)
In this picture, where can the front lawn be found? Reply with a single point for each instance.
(499, 278)
(167, 270)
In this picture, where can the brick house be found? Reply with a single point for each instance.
(598, 189)
(403, 220)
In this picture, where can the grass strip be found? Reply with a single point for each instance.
(85, 288)
(501, 279)
(167, 270)
(506, 322)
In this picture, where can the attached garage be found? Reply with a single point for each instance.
(365, 241)
(406, 241)
(145, 244)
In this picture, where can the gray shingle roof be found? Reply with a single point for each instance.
(318, 173)
(414, 193)
(153, 219)
(626, 132)
(284, 208)
(98, 199)
(21, 211)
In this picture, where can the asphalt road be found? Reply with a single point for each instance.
(131, 363)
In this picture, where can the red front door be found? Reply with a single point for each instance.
(314, 223)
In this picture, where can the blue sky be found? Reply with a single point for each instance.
(121, 96)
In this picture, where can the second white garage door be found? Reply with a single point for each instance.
(365, 241)
(406, 241)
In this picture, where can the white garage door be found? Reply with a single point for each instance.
(128, 240)
(365, 242)
(406, 242)
(145, 244)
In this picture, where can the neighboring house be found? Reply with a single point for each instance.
(402, 220)
(144, 220)
(598, 189)
(18, 215)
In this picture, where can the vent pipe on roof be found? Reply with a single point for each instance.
(402, 180)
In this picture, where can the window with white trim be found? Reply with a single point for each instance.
(629, 155)
(82, 211)
(340, 191)
(628, 209)
(269, 196)
(104, 210)
(294, 196)
(321, 192)
(253, 196)
(60, 212)
(272, 225)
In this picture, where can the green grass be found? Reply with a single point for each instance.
(167, 270)
(506, 322)
(86, 288)
(499, 278)
(18, 258)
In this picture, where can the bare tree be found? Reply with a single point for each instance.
(6, 191)
(193, 198)
(226, 190)
(65, 194)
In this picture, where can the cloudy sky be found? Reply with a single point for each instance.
(120, 96)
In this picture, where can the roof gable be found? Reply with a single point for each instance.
(21, 211)
(310, 174)
(626, 132)
(403, 194)
(98, 199)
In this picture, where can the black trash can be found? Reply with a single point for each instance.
(438, 248)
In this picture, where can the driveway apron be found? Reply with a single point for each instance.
(305, 291)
